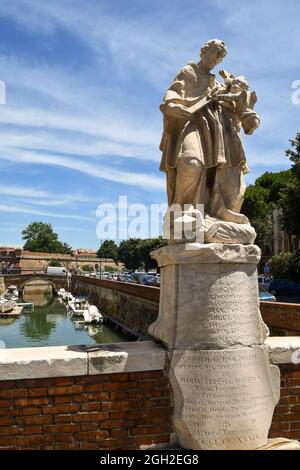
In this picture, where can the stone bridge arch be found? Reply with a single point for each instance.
(37, 281)
(20, 280)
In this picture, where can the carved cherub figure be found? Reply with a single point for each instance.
(235, 90)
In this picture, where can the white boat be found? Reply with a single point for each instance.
(13, 290)
(12, 297)
(6, 305)
(92, 315)
(78, 305)
(67, 297)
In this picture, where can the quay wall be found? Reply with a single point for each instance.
(135, 306)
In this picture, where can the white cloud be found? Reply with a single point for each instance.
(20, 191)
(147, 182)
(9, 208)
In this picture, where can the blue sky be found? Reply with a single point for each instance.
(84, 81)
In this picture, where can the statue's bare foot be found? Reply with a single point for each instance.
(229, 216)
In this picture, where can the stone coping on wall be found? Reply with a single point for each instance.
(59, 361)
(63, 361)
(284, 349)
(136, 290)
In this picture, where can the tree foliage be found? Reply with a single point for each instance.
(279, 265)
(148, 245)
(135, 252)
(286, 266)
(109, 269)
(291, 195)
(87, 268)
(108, 250)
(129, 254)
(40, 236)
(55, 263)
(260, 200)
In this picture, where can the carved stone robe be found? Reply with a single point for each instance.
(211, 135)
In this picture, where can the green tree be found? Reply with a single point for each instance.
(286, 266)
(148, 245)
(55, 263)
(294, 266)
(129, 253)
(40, 236)
(259, 212)
(291, 194)
(87, 268)
(66, 249)
(108, 250)
(260, 200)
(279, 265)
(108, 269)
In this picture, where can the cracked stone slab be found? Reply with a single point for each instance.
(31, 363)
(125, 357)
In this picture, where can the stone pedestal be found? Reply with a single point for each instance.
(224, 387)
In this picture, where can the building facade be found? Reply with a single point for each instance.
(19, 260)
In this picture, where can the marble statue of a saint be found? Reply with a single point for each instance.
(202, 151)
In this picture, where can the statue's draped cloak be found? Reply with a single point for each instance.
(211, 134)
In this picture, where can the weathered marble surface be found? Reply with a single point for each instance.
(202, 151)
(224, 388)
(223, 399)
(209, 297)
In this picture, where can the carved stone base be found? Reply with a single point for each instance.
(224, 388)
(217, 231)
(223, 399)
(191, 226)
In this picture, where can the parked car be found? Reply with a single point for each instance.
(265, 295)
(264, 281)
(146, 279)
(155, 281)
(142, 278)
(284, 287)
(56, 271)
(125, 277)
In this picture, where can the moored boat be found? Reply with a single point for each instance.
(80, 307)
(6, 305)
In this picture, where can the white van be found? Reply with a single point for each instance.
(56, 271)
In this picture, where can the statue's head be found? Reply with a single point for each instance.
(212, 53)
(238, 84)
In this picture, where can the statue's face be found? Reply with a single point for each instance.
(212, 56)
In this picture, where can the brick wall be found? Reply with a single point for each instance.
(108, 411)
(286, 419)
(281, 315)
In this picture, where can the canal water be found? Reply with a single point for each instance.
(51, 325)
